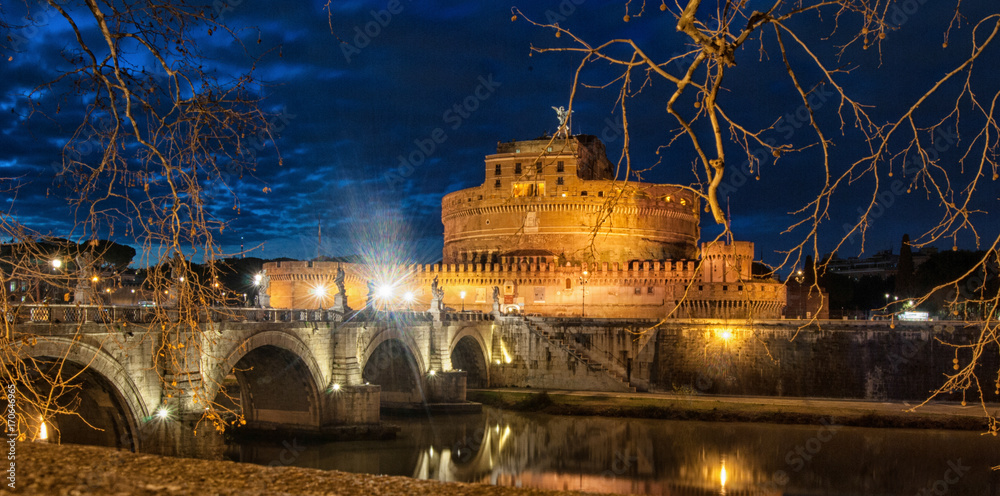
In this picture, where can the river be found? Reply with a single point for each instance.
(612, 455)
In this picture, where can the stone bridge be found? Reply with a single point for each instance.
(287, 369)
(147, 384)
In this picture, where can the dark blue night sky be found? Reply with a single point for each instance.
(352, 106)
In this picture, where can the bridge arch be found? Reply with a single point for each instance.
(469, 351)
(391, 359)
(278, 379)
(398, 334)
(105, 372)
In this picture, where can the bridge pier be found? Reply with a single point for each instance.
(345, 367)
(446, 387)
(184, 435)
(440, 356)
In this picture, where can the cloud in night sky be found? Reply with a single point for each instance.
(348, 119)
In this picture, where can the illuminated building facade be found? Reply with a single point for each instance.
(556, 234)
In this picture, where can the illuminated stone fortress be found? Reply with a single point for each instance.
(557, 235)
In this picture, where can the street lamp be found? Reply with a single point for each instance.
(56, 264)
(583, 294)
(320, 292)
(462, 294)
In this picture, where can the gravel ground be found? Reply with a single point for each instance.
(78, 470)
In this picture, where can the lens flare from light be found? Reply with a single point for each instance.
(384, 292)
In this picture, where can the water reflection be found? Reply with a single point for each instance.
(658, 457)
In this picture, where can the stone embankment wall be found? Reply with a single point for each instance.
(832, 359)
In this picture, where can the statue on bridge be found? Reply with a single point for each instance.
(340, 299)
(437, 296)
(339, 281)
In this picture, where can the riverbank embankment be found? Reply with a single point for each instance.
(711, 408)
(48, 469)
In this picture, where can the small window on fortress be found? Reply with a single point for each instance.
(583, 193)
(739, 288)
(480, 197)
(497, 170)
(701, 288)
(560, 166)
(649, 290)
(517, 168)
(569, 284)
(496, 184)
(725, 288)
(600, 193)
(638, 291)
(559, 181)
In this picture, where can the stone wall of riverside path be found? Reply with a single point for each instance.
(872, 360)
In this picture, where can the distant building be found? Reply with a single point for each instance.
(883, 264)
(555, 234)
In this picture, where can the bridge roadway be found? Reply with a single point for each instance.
(289, 369)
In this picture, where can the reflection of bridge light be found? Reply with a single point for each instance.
(722, 474)
(506, 434)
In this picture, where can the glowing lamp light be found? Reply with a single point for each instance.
(432, 373)
(409, 296)
(726, 335)
(56, 263)
(162, 413)
(336, 387)
(95, 279)
(43, 431)
(462, 294)
(181, 279)
(384, 292)
(256, 279)
(319, 291)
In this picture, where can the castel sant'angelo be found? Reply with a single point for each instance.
(551, 232)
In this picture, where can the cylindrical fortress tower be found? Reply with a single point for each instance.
(556, 199)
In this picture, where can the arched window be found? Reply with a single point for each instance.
(569, 283)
